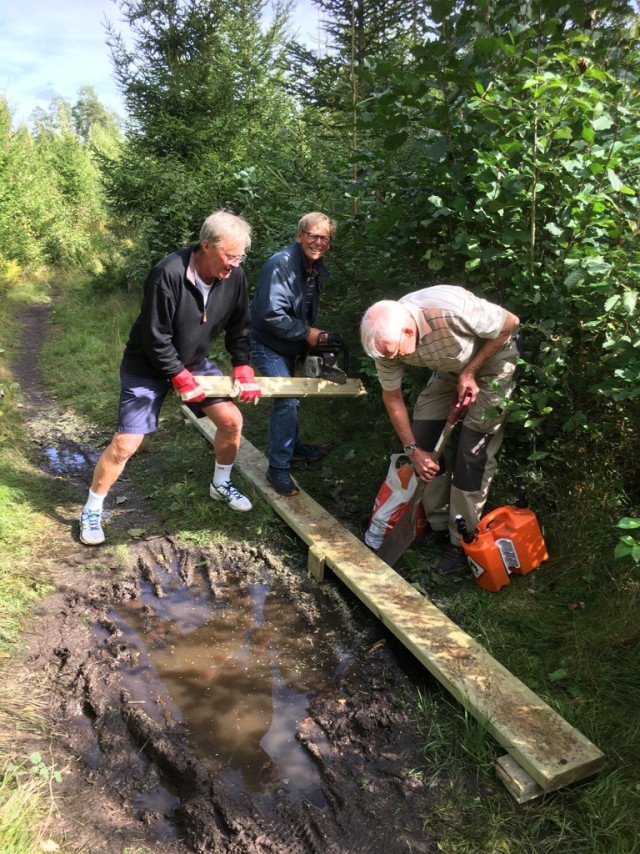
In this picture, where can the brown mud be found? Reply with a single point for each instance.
(167, 677)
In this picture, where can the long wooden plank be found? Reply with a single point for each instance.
(284, 387)
(546, 746)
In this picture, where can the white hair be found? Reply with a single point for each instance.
(383, 321)
(221, 224)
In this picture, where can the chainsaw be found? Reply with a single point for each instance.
(322, 360)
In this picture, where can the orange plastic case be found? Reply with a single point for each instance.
(508, 540)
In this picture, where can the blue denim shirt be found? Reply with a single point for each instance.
(279, 317)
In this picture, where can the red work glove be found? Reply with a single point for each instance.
(190, 389)
(249, 389)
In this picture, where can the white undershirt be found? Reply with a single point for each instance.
(204, 289)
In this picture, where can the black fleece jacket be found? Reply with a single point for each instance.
(175, 329)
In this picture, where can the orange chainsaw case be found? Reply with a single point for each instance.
(508, 540)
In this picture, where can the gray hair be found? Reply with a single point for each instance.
(383, 321)
(309, 220)
(222, 224)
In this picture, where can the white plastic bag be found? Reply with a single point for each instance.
(392, 501)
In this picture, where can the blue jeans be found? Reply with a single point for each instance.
(283, 422)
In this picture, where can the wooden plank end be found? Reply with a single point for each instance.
(520, 784)
(316, 563)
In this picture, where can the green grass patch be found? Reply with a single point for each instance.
(22, 526)
(25, 805)
(80, 359)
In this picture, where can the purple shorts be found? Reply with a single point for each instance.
(141, 399)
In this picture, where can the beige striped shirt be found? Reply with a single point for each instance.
(451, 323)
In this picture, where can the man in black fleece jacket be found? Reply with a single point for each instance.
(190, 298)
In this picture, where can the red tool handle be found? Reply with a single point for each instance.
(457, 410)
(459, 407)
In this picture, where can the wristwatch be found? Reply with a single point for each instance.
(409, 449)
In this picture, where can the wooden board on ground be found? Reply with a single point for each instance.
(548, 748)
(523, 787)
(284, 387)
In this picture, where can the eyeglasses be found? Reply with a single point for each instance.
(232, 259)
(315, 237)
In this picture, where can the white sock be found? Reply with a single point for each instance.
(94, 502)
(222, 474)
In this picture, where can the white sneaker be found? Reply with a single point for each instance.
(91, 533)
(231, 495)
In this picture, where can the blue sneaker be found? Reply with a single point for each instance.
(91, 533)
(282, 481)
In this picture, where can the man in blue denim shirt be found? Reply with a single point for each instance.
(283, 313)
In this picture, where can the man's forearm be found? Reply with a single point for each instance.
(399, 415)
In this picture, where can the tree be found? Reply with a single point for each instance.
(51, 202)
(511, 162)
(93, 123)
(203, 87)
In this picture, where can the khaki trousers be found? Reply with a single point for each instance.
(465, 490)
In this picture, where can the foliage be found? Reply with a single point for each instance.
(628, 545)
(24, 798)
(512, 153)
(207, 115)
(51, 201)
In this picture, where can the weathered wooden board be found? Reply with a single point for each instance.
(548, 748)
(284, 387)
(523, 787)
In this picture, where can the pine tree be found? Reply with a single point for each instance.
(202, 83)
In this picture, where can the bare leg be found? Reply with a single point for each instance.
(228, 420)
(113, 460)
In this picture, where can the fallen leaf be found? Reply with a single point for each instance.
(572, 606)
(5, 655)
(121, 499)
(136, 532)
(49, 845)
(29, 709)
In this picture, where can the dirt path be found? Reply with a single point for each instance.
(179, 744)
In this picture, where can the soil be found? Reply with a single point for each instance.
(134, 775)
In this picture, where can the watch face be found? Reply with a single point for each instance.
(409, 449)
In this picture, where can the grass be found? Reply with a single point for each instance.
(26, 804)
(569, 630)
(26, 498)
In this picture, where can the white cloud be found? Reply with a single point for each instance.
(51, 49)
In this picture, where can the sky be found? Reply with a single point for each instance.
(50, 49)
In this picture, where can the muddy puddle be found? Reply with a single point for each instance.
(237, 706)
(238, 669)
(69, 459)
